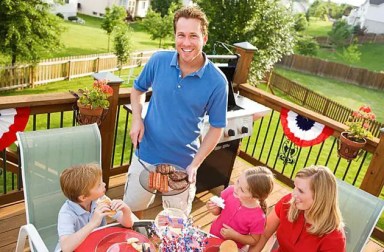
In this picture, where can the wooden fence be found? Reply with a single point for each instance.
(64, 69)
(367, 38)
(360, 76)
(317, 102)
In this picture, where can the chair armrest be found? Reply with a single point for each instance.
(34, 237)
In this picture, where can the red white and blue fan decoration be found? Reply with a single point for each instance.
(11, 121)
(302, 131)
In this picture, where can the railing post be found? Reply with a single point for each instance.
(107, 127)
(373, 180)
(246, 52)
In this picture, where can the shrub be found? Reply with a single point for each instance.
(306, 45)
(60, 15)
(72, 18)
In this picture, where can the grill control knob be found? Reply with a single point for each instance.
(231, 132)
(244, 130)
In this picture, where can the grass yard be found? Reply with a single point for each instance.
(347, 94)
(372, 56)
(318, 28)
(89, 38)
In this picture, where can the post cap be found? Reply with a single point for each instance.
(246, 46)
(108, 76)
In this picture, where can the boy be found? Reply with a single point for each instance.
(80, 214)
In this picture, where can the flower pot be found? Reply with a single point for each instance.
(349, 149)
(88, 115)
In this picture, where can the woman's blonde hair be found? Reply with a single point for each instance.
(260, 184)
(324, 214)
(192, 12)
(78, 180)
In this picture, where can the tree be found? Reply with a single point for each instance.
(113, 18)
(122, 45)
(341, 31)
(162, 6)
(351, 54)
(159, 27)
(263, 23)
(28, 30)
(301, 22)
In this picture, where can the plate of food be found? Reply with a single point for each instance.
(129, 241)
(164, 179)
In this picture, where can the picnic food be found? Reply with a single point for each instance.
(178, 175)
(132, 240)
(217, 201)
(135, 243)
(165, 177)
(165, 168)
(105, 199)
(178, 185)
(158, 181)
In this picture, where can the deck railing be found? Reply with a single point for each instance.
(317, 102)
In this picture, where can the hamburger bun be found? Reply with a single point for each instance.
(105, 199)
(228, 246)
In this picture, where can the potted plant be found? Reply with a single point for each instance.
(92, 102)
(354, 138)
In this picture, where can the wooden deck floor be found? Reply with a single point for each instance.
(13, 216)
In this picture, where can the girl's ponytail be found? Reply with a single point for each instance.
(263, 205)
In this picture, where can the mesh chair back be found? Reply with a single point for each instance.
(361, 212)
(44, 155)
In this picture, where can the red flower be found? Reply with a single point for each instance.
(366, 109)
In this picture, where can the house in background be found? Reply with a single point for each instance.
(137, 8)
(68, 9)
(369, 15)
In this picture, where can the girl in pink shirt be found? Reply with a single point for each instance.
(243, 217)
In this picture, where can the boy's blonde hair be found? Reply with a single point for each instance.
(324, 214)
(78, 180)
(192, 12)
(260, 184)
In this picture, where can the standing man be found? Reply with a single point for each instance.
(185, 87)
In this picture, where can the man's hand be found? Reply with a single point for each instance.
(192, 172)
(137, 131)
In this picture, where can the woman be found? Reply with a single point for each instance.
(309, 218)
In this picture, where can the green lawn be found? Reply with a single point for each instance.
(349, 95)
(318, 28)
(371, 56)
(89, 38)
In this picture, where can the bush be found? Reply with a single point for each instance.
(301, 22)
(72, 18)
(60, 15)
(341, 31)
(306, 45)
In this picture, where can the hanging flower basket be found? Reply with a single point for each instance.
(93, 103)
(88, 115)
(349, 149)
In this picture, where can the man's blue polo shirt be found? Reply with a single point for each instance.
(177, 108)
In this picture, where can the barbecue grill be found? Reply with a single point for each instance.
(217, 168)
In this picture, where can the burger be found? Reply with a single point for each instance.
(106, 200)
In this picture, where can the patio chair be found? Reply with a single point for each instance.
(361, 212)
(44, 155)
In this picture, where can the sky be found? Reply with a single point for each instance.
(351, 2)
